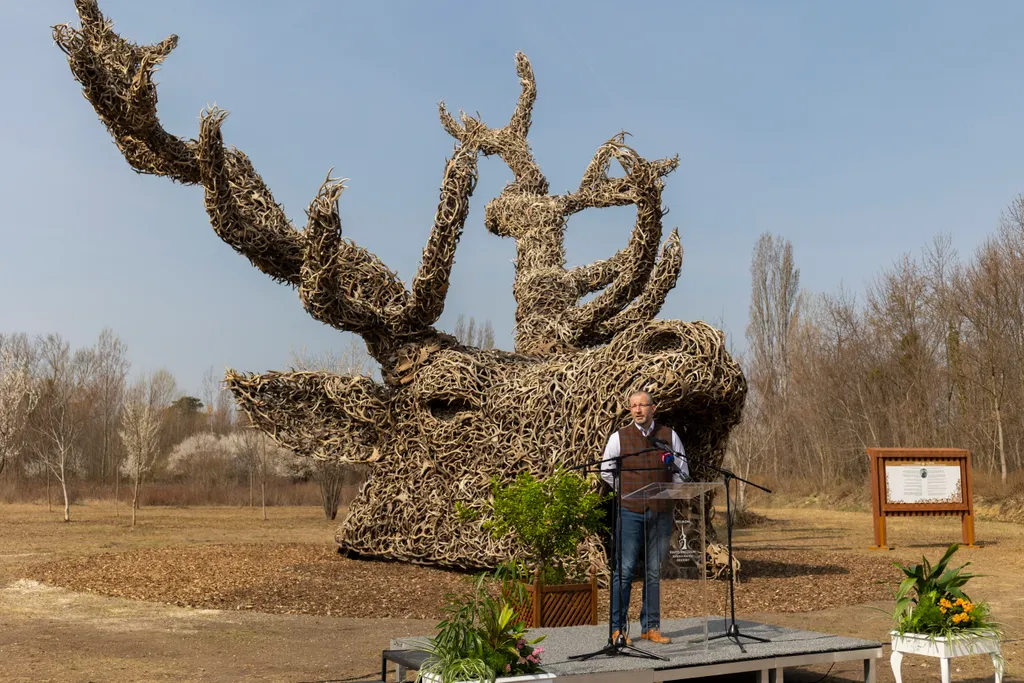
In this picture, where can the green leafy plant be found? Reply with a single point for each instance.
(480, 639)
(931, 600)
(548, 517)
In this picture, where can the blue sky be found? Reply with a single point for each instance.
(858, 131)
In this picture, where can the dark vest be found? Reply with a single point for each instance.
(631, 440)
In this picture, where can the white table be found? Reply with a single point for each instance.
(945, 650)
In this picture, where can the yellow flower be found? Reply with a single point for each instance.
(946, 604)
(958, 618)
(968, 606)
(960, 602)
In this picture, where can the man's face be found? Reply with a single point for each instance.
(642, 408)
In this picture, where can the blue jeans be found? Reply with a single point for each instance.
(649, 532)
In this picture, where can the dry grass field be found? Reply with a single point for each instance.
(217, 594)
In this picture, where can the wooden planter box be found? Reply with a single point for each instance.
(571, 604)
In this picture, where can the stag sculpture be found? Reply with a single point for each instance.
(447, 418)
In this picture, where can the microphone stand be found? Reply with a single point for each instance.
(617, 646)
(732, 631)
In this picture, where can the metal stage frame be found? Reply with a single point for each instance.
(691, 655)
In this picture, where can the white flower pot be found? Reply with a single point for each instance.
(431, 678)
(945, 649)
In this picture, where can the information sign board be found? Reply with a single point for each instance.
(921, 482)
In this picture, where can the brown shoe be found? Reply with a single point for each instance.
(615, 637)
(654, 635)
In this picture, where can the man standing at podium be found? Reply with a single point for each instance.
(645, 524)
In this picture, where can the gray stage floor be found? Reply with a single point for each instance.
(686, 650)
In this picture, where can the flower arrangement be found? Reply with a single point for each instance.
(480, 639)
(931, 601)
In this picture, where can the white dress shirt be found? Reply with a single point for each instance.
(611, 451)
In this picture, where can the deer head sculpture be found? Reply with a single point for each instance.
(447, 418)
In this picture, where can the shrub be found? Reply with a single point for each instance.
(549, 518)
(480, 639)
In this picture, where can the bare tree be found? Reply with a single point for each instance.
(162, 392)
(63, 410)
(486, 338)
(160, 389)
(942, 269)
(261, 457)
(219, 405)
(18, 395)
(140, 434)
(982, 300)
(350, 358)
(331, 474)
(469, 334)
(906, 330)
(112, 367)
(749, 444)
(1011, 245)
(774, 306)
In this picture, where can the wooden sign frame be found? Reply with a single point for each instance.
(882, 506)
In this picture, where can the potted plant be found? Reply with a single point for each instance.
(549, 518)
(481, 639)
(933, 616)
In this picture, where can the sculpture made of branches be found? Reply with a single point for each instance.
(447, 418)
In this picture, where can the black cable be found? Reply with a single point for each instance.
(372, 676)
(826, 674)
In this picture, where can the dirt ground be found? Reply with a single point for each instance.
(217, 594)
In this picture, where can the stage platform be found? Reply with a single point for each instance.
(687, 655)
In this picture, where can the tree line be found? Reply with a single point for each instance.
(931, 355)
(73, 417)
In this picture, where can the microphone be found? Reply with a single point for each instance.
(669, 461)
(667, 457)
(658, 443)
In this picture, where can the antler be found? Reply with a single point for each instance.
(625, 275)
(339, 283)
(510, 142)
(635, 280)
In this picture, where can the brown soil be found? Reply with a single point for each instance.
(312, 579)
(216, 594)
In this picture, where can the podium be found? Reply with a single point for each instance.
(686, 543)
